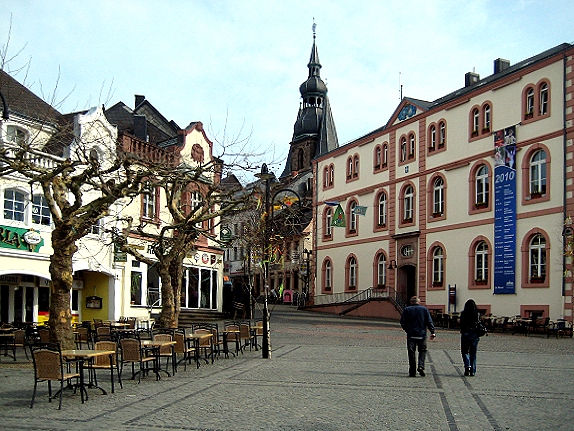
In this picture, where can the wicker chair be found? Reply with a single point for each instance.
(49, 366)
(165, 351)
(181, 347)
(82, 336)
(105, 362)
(132, 353)
(20, 341)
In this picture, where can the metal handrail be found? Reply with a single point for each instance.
(364, 295)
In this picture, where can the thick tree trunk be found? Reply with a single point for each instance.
(167, 317)
(60, 321)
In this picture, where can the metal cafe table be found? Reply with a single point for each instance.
(196, 339)
(154, 346)
(88, 355)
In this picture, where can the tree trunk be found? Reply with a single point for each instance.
(167, 317)
(60, 321)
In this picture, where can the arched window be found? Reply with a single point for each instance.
(437, 266)
(486, 118)
(385, 154)
(408, 204)
(328, 231)
(537, 263)
(355, 166)
(326, 177)
(14, 205)
(382, 219)
(351, 273)
(412, 145)
(482, 186)
(544, 99)
(378, 157)
(442, 134)
(438, 197)
(331, 175)
(327, 276)
(481, 262)
(349, 168)
(432, 138)
(538, 173)
(300, 158)
(381, 270)
(475, 121)
(529, 109)
(353, 218)
(403, 149)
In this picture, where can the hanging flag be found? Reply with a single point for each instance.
(360, 210)
(331, 203)
(339, 217)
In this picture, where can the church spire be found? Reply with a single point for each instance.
(314, 131)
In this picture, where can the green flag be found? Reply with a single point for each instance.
(339, 217)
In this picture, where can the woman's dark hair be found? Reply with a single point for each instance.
(470, 307)
(469, 315)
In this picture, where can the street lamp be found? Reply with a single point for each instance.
(5, 114)
(265, 346)
(307, 273)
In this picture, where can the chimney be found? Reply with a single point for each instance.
(500, 64)
(471, 78)
(139, 100)
(140, 127)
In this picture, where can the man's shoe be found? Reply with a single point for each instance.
(421, 371)
(412, 375)
(467, 371)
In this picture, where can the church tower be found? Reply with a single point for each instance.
(314, 133)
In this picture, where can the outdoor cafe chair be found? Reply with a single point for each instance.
(105, 362)
(44, 335)
(133, 353)
(49, 366)
(103, 333)
(181, 347)
(82, 337)
(20, 341)
(245, 335)
(164, 351)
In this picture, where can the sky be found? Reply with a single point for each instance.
(236, 66)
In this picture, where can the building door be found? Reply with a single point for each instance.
(406, 283)
(4, 303)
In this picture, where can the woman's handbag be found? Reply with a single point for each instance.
(480, 328)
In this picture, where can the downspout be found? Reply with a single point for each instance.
(564, 189)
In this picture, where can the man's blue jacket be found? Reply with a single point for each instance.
(415, 321)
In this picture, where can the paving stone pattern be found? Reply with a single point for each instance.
(326, 373)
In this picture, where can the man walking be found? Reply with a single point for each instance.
(415, 321)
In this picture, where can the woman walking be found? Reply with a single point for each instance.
(469, 337)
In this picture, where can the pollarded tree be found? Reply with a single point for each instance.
(81, 171)
(194, 201)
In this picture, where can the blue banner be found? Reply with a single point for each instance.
(505, 211)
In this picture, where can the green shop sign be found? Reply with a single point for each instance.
(20, 239)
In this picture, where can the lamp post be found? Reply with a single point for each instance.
(5, 114)
(306, 274)
(265, 345)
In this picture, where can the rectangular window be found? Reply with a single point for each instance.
(136, 288)
(14, 205)
(149, 203)
(40, 211)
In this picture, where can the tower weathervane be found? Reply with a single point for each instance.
(314, 27)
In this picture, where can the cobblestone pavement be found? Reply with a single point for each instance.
(326, 373)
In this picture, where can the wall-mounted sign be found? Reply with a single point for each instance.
(20, 239)
(93, 302)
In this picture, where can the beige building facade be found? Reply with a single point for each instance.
(427, 211)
